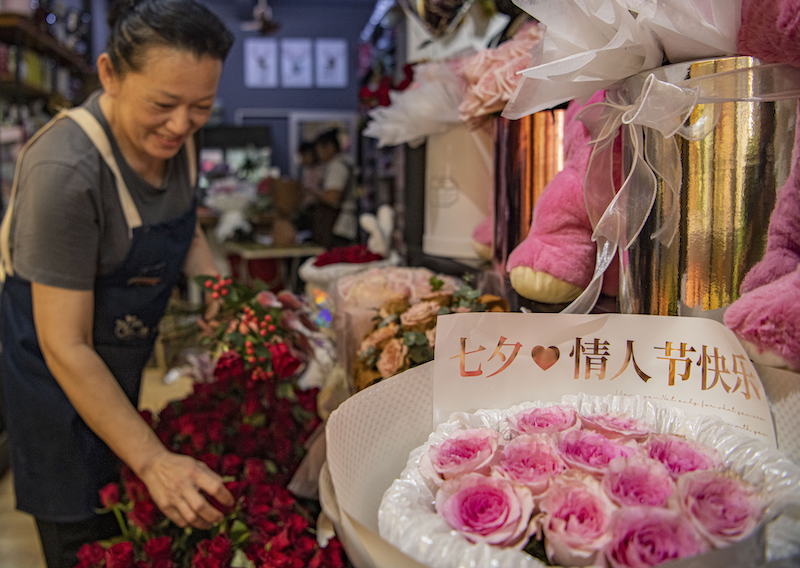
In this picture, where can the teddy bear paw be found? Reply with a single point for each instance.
(542, 287)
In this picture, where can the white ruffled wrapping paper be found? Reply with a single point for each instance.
(428, 106)
(407, 518)
(591, 44)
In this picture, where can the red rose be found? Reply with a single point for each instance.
(159, 548)
(120, 555)
(230, 367)
(254, 470)
(91, 555)
(144, 514)
(211, 460)
(283, 362)
(231, 464)
(215, 431)
(135, 487)
(109, 495)
(213, 553)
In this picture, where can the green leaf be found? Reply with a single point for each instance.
(240, 560)
(436, 283)
(535, 548)
(285, 391)
(420, 354)
(272, 469)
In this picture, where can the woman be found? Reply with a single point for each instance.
(99, 226)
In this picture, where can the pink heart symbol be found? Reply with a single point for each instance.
(545, 357)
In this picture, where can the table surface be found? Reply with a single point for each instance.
(252, 250)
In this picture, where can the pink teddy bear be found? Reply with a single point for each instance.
(556, 260)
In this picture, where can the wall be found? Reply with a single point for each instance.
(298, 18)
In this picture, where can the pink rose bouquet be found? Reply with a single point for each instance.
(569, 489)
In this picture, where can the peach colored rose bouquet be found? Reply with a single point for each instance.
(404, 329)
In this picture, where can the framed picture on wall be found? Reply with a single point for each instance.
(296, 63)
(260, 63)
(305, 126)
(331, 63)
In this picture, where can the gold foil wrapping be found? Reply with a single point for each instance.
(730, 180)
(528, 153)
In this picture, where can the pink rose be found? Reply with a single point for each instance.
(723, 508)
(486, 509)
(267, 299)
(467, 451)
(647, 536)
(681, 455)
(531, 460)
(638, 481)
(576, 516)
(550, 419)
(379, 336)
(591, 451)
(615, 426)
(419, 313)
(392, 358)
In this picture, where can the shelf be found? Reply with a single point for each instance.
(16, 29)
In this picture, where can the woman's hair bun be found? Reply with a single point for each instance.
(119, 10)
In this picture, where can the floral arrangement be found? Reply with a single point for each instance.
(403, 335)
(491, 75)
(353, 254)
(581, 489)
(249, 422)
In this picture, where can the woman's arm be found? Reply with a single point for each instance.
(64, 320)
(199, 260)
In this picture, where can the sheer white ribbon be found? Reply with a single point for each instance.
(651, 122)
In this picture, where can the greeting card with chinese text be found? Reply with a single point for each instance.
(496, 360)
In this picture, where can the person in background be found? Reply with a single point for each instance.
(100, 225)
(334, 212)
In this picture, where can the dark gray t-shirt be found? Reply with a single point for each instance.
(68, 226)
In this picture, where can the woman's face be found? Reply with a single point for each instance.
(163, 103)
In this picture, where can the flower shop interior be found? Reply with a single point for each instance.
(594, 362)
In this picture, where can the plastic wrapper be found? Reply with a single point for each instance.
(324, 277)
(591, 44)
(407, 519)
(428, 106)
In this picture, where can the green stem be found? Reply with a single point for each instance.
(123, 526)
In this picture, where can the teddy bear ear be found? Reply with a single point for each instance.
(386, 221)
(375, 239)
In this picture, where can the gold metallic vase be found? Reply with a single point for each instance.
(528, 153)
(729, 183)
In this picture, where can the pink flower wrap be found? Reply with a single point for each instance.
(487, 509)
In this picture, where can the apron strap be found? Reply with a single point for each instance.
(191, 158)
(93, 129)
(6, 267)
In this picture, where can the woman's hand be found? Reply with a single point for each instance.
(208, 321)
(175, 483)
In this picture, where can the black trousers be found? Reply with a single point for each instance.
(61, 541)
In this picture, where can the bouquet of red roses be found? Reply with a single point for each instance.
(252, 432)
(353, 254)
